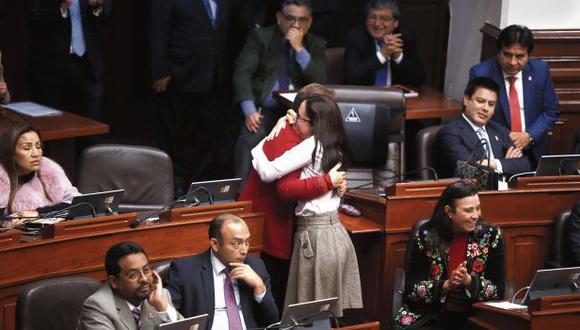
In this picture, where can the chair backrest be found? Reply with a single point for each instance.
(145, 173)
(394, 100)
(427, 150)
(334, 60)
(53, 303)
(560, 240)
(162, 268)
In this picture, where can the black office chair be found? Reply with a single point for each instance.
(334, 61)
(427, 151)
(162, 268)
(560, 254)
(145, 173)
(54, 303)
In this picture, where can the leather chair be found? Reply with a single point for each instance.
(334, 60)
(399, 277)
(162, 268)
(53, 303)
(393, 99)
(427, 151)
(560, 254)
(145, 173)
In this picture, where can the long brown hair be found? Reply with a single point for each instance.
(8, 142)
(326, 120)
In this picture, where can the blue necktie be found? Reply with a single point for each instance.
(210, 12)
(78, 38)
(283, 70)
(381, 74)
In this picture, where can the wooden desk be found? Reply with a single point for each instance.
(525, 216)
(81, 248)
(556, 312)
(68, 125)
(431, 104)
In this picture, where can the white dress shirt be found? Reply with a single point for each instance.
(384, 59)
(220, 318)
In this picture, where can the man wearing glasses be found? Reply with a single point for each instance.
(274, 58)
(224, 282)
(133, 298)
(382, 54)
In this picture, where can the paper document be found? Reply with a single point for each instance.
(289, 96)
(32, 109)
(505, 305)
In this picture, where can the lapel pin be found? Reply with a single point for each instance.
(530, 78)
(496, 138)
(151, 316)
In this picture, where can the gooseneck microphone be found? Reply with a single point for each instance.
(385, 178)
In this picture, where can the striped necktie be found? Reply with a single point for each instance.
(136, 312)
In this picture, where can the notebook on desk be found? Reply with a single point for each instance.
(311, 315)
(101, 203)
(218, 191)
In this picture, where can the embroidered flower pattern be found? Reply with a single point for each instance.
(420, 295)
(406, 318)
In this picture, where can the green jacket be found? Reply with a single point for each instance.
(257, 66)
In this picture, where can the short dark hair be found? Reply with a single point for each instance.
(216, 224)
(299, 3)
(385, 4)
(481, 82)
(118, 251)
(515, 35)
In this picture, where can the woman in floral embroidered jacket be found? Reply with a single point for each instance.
(454, 260)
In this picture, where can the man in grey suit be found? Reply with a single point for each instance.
(133, 299)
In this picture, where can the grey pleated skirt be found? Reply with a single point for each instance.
(323, 264)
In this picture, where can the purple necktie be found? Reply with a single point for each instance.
(137, 316)
(234, 320)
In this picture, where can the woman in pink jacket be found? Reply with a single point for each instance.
(28, 180)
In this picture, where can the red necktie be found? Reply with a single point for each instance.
(515, 116)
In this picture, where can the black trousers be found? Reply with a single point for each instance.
(73, 90)
(190, 127)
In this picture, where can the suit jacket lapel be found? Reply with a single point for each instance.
(503, 97)
(208, 286)
(149, 317)
(495, 141)
(124, 313)
(528, 87)
(200, 4)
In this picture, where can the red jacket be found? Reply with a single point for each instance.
(274, 199)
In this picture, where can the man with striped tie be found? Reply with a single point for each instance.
(132, 299)
(527, 103)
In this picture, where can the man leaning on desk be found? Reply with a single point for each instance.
(381, 54)
(132, 299)
(469, 136)
(224, 282)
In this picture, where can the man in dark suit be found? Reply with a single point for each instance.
(528, 105)
(224, 282)
(380, 53)
(273, 58)
(132, 299)
(460, 139)
(65, 66)
(190, 68)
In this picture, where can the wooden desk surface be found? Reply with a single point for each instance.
(431, 103)
(68, 125)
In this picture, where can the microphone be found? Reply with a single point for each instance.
(485, 177)
(135, 223)
(517, 175)
(381, 179)
(62, 213)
